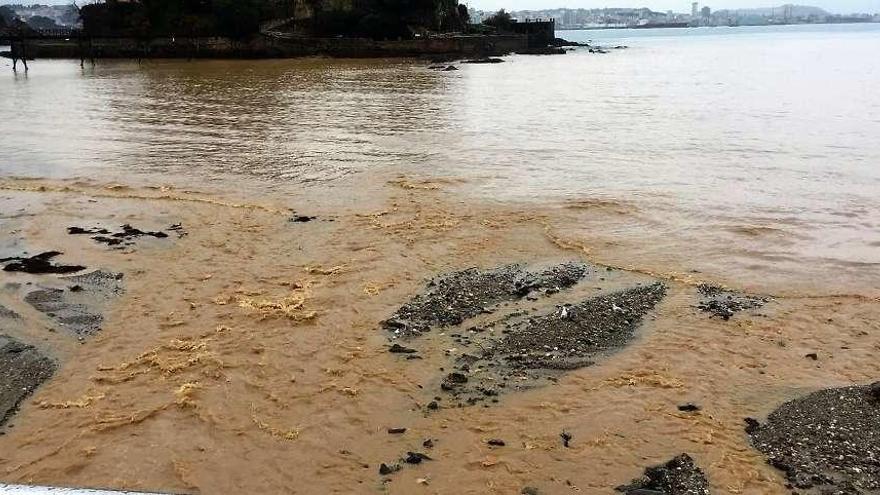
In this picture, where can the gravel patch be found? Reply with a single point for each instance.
(723, 303)
(533, 349)
(451, 299)
(825, 442)
(22, 370)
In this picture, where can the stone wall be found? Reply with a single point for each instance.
(276, 48)
(540, 33)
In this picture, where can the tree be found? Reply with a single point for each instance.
(7, 16)
(501, 20)
(463, 14)
(42, 22)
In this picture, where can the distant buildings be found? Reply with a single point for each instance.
(705, 16)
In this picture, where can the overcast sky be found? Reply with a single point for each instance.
(834, 6)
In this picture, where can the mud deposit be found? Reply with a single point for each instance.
(78, 306)
(825, 442)
(679, 476)
(22, 369)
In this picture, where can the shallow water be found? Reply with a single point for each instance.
(247, 356)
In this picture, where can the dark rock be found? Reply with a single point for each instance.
(302, 218)
(495, 442)
(110, 241)
(453, 381)
(433, 405)
(38, 264)
(827, 441)
(752, 425)
(456, 378)
(415, 458)
(563, 42)
(722, 303)
(178, 228)
(544, 50)
(396, 431)
(487, 60)
(529, 490)
(680, 476)
(385, 469)
(428, 444)
(399, 349)
(874, 391)
(566, 438)
(689, 407)
(81, 230)
(814, 356)
(125, 235)
(22, 370)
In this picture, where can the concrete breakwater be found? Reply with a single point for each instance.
(266, 47)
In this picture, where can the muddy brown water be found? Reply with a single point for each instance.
(248, 356)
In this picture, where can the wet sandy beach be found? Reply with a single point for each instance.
(249, 354)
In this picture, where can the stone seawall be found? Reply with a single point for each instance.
(265, 47)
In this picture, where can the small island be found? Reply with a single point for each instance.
(438, 29)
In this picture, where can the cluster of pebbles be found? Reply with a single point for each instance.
(723, 303)
(679, 476)
(530, 350)
(451, 299)
(825, 442)
(24, 369)
(520, 349)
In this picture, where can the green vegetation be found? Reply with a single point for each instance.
(378, 19)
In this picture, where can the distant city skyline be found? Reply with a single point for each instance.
(832, 6)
